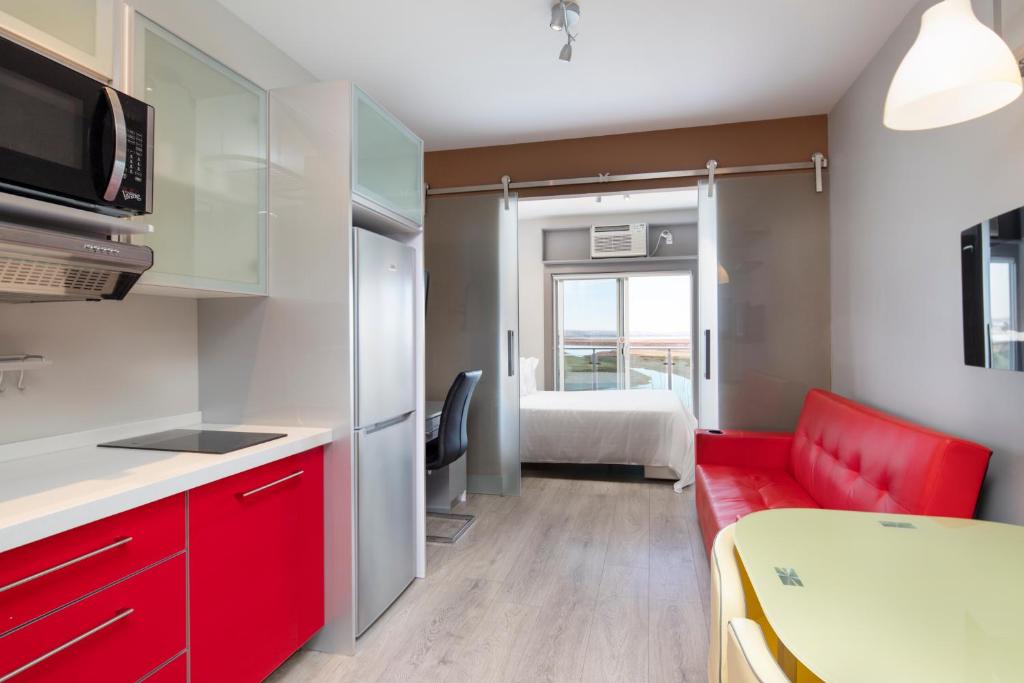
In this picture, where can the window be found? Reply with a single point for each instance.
(625, 332)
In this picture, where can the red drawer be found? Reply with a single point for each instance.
(256, 569)
(69, 565)
(175, 672)
(118, 634)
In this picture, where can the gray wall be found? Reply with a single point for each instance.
(898, 204)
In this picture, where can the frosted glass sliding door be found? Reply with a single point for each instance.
(472, 323)
(764, 261)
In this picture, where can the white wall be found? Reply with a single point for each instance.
(898, 204)
(116, 362)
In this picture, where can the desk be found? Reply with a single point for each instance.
(858, 596)
(432, 418)
(446, 487)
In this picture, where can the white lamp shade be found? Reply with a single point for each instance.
(958, 69)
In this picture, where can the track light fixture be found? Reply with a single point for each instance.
(564, 17)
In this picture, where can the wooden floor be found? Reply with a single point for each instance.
(573, 581)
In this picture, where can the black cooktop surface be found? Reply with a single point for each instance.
(195, 441)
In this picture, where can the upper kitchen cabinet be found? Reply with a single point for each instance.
(210, 187)
(79, 32)
(387, 167)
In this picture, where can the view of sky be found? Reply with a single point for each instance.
(659, 306)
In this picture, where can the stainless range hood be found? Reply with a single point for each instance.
(73, 263)
(39, 265)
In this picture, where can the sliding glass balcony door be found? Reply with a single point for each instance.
(659, 342)
(625, 331)
(589, 333)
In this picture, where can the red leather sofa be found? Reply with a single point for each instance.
(843, 456)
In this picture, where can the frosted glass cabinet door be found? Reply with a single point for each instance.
(79, 31)
(209, 194)
(387, 161)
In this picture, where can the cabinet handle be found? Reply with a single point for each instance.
(60, 648)
(64, 565)
(282, 480)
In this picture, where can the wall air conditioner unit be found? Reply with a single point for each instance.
(618, 241)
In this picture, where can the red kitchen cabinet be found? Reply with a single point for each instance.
(116, 635)
(42, 576)
(173, 672)
(256, 568)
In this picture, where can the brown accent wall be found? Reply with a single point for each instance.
(732, 144)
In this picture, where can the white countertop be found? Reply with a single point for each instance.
(51, 485)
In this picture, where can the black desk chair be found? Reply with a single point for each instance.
(451, 441)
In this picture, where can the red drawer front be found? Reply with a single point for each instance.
(256, 569)
(157, 531)
(175, 672)
(118, 634)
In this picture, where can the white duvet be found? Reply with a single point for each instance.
(608, 427)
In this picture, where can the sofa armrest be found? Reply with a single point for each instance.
(768, 450)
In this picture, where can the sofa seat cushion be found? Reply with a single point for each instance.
(726, 493)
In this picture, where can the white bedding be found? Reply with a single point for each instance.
(608, 427)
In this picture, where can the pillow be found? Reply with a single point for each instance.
(528, 376)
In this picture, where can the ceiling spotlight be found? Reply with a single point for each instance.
(564, 14)
(566, 54)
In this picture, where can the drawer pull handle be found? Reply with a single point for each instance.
(65, 565)
(60, 648)
(282, 480)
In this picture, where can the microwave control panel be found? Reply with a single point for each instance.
(136, 191)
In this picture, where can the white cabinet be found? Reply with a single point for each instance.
(210, 198)
(387, 163)
(77, 31)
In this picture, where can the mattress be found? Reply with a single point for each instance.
(619, 427)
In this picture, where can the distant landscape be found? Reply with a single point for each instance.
(648, 362)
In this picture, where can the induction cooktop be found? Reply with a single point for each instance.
(195, 441)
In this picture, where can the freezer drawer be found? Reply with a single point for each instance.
(385, 328)
(386, 498)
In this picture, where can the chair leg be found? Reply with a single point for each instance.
(468, 522)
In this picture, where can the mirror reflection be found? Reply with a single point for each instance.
(993, 292)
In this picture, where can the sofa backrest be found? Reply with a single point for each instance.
(851, 457)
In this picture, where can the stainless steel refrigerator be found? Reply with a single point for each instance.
(385, 432)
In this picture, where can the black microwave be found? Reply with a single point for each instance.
(67, 138)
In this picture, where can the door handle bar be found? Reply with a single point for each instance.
(64, 565)
(272, 484)
(123, 614)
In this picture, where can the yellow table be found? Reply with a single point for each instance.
(871, 597)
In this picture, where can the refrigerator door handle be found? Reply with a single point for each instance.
(376, 427)
(511, 353)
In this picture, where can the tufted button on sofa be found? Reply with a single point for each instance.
(844, 456)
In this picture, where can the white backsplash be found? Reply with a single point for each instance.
(113, 362)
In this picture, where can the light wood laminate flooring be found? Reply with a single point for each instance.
(575, 580)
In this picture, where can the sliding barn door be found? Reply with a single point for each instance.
(764, 269)
(472, 323)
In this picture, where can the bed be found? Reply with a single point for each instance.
(650, 428)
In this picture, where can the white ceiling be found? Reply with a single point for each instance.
(469, 73)
(618, 203)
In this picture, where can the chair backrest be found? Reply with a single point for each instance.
(749, 660)
(452, 440)
(727, 600)
(851, 457)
